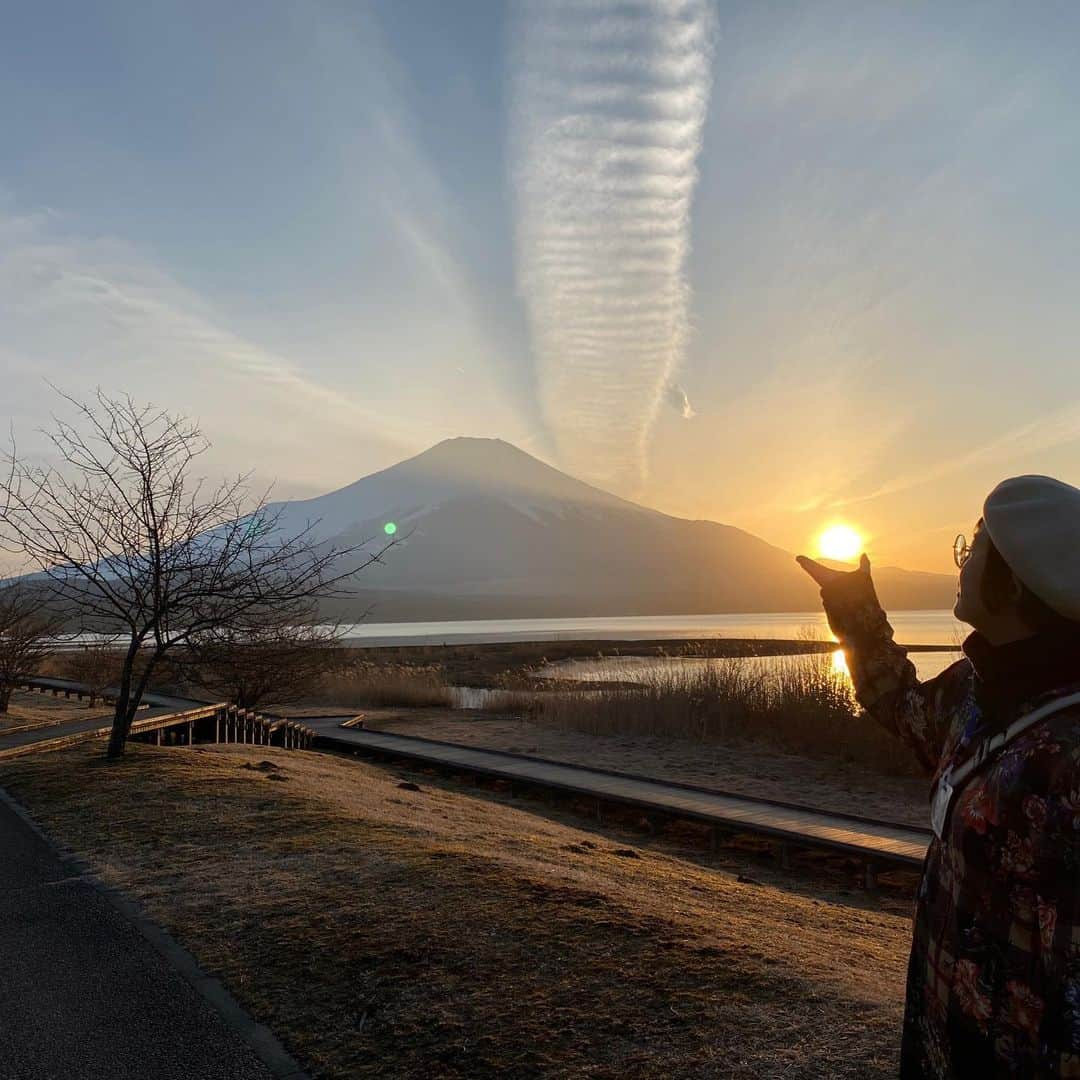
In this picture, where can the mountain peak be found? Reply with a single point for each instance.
(495, 466)
(468, 447)
(464, 467)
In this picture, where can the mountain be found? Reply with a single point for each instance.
(488, 531)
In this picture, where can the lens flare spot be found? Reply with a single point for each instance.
(390, 528)
(840, 542)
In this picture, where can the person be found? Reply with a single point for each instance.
(993, 980)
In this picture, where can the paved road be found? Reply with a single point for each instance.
(84, 995)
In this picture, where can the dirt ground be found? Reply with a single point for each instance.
(27, 710)
(745, 768)
(399, 925)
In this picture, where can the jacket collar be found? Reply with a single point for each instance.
(1007, 676)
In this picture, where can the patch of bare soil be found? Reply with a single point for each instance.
(741, 767)
(27, 710)
(390, 926)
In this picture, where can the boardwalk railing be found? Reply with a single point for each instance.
(163, 720)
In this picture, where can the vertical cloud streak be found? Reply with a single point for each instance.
(609, 102)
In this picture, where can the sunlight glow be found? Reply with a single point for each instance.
(840, 542)
(839, 663)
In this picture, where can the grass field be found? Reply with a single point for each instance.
(387, 931)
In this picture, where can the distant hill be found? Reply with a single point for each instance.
(488, 531)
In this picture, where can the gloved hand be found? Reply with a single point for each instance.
(849, 597)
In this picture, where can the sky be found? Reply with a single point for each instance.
(776, 265)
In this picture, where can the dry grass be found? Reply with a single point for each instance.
(801, 705)
(743, 766)
(509, 665)
(369, 684)
(390, 932)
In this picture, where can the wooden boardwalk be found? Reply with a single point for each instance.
(876, 842)
(184, 719)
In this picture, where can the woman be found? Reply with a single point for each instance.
(993, 986)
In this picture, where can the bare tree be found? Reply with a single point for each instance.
(26, 632)
(276, 660)
(126, 538)
(97, 665)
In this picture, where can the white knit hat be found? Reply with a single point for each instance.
(1034, 521)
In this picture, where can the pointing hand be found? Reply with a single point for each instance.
(825, 575)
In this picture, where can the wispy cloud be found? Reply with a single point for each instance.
(609, 103)
(1048, 432)
(85, 311)
(107, 295)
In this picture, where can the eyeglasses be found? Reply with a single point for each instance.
(961, 550)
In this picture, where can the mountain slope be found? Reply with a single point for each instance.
(486, 530)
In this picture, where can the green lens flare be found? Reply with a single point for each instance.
(389, 528)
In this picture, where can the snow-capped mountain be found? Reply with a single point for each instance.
(486, 530)
(454, 469)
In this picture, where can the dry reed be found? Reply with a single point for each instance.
(799, 704)
(371, 685)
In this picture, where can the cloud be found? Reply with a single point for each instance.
(102, 297)
(676, 397)
(609, 103)
(1058, 428)
(87, 311)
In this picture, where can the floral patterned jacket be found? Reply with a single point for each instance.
(993, 983)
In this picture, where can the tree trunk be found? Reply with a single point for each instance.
(130, 697)
(118, 736)
(123, 713)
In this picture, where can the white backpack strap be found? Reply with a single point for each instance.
(951, 779)
(1003, 738)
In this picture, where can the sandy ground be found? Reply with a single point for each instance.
(27, 710)
(408, 927)
(745, 768)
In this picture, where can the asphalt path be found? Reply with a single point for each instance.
(84, 994)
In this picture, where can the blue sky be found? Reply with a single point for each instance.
(768, 264)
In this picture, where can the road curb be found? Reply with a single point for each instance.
(263, 1042)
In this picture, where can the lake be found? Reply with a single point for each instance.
(911, 628)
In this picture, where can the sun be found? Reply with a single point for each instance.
(840, 542)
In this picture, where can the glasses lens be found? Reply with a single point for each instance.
(960, 550)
